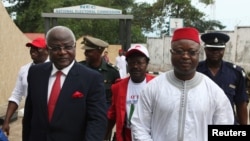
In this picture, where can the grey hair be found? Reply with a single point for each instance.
(61, 28)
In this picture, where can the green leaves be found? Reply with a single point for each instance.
(147, 17)
(207, 2)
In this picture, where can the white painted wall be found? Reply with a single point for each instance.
(237, 50)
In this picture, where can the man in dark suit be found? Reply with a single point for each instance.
(79, 111)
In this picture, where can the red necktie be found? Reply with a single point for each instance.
(54, 94)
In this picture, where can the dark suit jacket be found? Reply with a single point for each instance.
(75, 118)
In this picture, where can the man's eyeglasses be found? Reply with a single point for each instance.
(181, 52)
(57, 49)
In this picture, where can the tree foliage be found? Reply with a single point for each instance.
(207, 2)
(166, 9)
(143, 14)
(147, 18)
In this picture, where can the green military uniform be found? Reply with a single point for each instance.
(110, 75)
(109, 72)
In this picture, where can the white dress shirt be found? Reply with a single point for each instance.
(21, 86)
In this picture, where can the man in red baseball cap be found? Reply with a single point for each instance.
(38, 50)
(39, 54)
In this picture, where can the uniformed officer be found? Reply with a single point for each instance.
(94, 48)
(230, 77)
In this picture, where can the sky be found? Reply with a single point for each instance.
(230, 13)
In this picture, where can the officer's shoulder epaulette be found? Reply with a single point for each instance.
(113, 66)
(237, 68)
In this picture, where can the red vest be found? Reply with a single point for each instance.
(117, 110)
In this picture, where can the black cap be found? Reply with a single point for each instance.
(93, 43)
(215, 39)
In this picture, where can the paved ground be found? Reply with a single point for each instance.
(16, 129)
(15, 126)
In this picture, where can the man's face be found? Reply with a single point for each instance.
(105, 54)
(92, 55)
(137, 67)
(38, 55)
(61, 47)
(185, 58)
(214, 54)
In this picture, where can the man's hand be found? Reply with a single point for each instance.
(6, 128)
